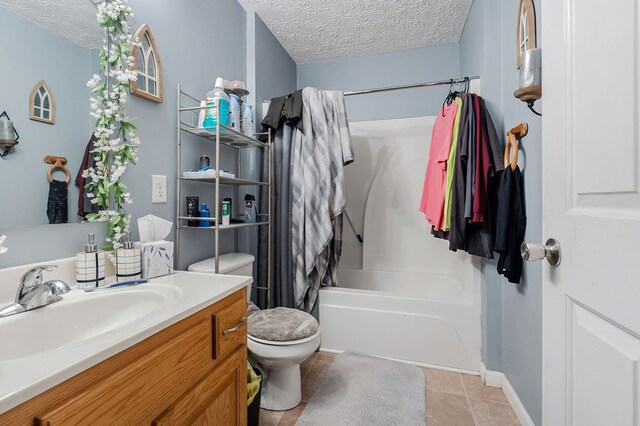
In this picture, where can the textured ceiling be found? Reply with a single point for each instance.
(312, 30)
(74, 20)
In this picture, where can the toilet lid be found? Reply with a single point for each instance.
(281, 325)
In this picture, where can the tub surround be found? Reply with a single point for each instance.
(180, 295)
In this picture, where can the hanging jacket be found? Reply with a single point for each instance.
(84, 203)
(477, 238)
(511, 224)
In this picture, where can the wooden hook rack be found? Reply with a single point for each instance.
(511, 149)
(58, 164)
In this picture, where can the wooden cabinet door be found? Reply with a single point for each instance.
(219, 399)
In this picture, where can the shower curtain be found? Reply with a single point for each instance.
(307, 201)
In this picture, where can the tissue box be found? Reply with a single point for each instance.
(156, 258)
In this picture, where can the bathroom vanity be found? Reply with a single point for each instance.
(179, 359)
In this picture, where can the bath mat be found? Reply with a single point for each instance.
(363, 390)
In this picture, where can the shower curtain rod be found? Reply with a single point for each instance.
(411, 86)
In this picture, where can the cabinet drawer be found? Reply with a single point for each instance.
(229, 328)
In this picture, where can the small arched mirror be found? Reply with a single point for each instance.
(42, 106)
(526, 37)
(148, 85)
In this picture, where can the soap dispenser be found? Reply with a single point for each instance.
(128, 261)
(90, 265)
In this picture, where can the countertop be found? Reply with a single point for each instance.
(24, 377)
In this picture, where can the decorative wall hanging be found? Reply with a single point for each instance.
(117, 142)
(8, 135)
(42, 105)
(526, 29)
(528, 56)
(148, 84)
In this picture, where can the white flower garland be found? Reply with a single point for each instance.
(117, 143)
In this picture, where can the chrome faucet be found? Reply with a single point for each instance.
(33, 293)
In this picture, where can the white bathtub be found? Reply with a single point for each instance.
(402, 293)
(379, 313)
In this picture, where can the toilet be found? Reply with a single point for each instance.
(278, 339)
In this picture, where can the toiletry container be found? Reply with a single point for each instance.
(230, 200)
(128, 261)
(226, 212)
(90, 265)
(247, 120)
(192, 210)
(250, 214)
(234, 115)
(205, 161)
(217, 98)
(202, 114)
(204, 212)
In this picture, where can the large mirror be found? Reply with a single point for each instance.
(49, 51)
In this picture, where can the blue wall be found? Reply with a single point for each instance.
(512, 315)
(387, 69)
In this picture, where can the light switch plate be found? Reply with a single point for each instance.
(159, 190)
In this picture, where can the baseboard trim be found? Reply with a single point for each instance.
(499, 380)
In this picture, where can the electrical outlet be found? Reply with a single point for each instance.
(159, 190)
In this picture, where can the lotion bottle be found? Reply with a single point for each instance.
(90, 266)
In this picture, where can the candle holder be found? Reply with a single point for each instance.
(8, 134)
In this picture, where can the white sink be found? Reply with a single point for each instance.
(78, 317)
(42, 348)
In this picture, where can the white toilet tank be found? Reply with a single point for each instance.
(230, 264)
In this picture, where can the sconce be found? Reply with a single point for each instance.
(8, 134)
(530, 78)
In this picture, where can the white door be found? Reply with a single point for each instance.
(591, 205)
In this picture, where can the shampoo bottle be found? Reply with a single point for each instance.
(250, 213)
(234, 115)
(247, 120)
(204, 212)
(90, 266)
(128, 261)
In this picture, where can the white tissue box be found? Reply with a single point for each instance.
(156, 258)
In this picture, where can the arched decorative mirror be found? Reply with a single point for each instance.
(526, 36)
(42, 106)
(147, 62)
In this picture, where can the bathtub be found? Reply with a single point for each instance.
(426, 319)
(402, 294)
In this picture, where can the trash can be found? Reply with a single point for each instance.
(254, 393)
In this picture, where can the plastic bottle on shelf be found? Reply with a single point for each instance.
(204, 212)
(234, 115)
(217, 98)
(250, 214)
(247, 120)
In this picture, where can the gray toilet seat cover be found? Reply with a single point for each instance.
(281, 325)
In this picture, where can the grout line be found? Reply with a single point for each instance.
(315, 357)
(464, 386)
(426, 396)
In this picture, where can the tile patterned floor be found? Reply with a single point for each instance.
(453, 399)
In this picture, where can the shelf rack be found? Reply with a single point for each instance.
(189, 106)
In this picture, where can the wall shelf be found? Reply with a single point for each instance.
(187, 113)
(223, 227)
(227, 136)
(227, 181)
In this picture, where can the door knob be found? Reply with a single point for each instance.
(550, 251)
